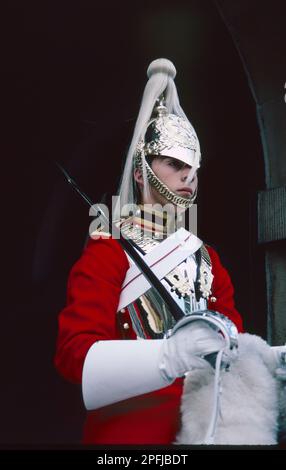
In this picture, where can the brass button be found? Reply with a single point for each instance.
(123, 310)
(125, 326)
(213, 299)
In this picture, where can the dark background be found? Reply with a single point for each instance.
(75, 75)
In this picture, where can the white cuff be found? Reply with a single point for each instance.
(115, 370)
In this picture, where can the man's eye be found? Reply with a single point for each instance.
(174, 164)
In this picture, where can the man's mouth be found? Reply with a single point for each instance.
(185, 191)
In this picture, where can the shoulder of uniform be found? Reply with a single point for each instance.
(213, 254)
(100, 234)
(103, 242)
(210, 248)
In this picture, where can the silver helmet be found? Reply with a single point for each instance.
(172, 136)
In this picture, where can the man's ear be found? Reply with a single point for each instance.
(138, 176)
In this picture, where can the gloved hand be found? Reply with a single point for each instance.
(184, 350)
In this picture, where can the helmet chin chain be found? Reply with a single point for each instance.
(221, 360)
(162, 189)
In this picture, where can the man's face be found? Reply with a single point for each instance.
(174, 174)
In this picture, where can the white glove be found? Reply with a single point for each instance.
(185, 349)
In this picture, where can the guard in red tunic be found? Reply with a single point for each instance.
(115, 335)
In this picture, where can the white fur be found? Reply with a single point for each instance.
(249, 400)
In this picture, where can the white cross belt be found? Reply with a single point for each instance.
(163, 258)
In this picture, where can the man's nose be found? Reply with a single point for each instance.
(184, 174)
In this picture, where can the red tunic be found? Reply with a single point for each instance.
(94, 287)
